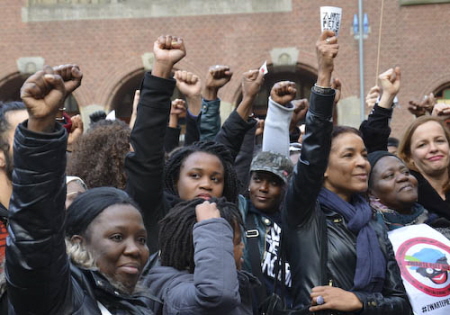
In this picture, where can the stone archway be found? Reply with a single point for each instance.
(10, 87)
(303, 78)
(10, 91)
(122, 100)
(443, 93)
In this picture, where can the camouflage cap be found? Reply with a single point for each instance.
(272, 162)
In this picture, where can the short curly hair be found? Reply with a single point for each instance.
(98, 156)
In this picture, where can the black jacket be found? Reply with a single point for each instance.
(40, 278)
(319, 247)
(144, 167)
(430, 199)
(3, 295)
(376, 129)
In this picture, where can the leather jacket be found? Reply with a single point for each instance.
(41, 279)
(319, 246)
(144, 166)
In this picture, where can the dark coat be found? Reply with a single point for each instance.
(41, 279)
(376, 129)
(145, 166)
(430, 199)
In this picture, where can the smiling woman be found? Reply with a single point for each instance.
(355, 268)
(393, 193)
(103, 228)
(105, 231)
(426, 151)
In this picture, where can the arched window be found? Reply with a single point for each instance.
(10, 91)
(122, 101)
(443, 93)
(303, 79)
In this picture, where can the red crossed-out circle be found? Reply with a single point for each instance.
(406, 272)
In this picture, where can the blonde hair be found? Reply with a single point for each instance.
(404, 148)
(79, 255)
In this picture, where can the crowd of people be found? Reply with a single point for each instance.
(125, 219)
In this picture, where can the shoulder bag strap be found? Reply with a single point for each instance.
(252, 235)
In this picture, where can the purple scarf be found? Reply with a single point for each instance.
(370, 261)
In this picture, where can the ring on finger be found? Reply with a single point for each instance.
(327, 40)
(320, 300)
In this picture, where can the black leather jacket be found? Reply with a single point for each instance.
(145, 165)
(40, 278)
(318, 245)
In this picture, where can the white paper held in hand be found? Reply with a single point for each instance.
(330, 19)
(263, 68)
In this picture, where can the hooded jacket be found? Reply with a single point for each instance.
(215, 287)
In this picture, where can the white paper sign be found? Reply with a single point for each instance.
(423, 255)
(263, 68)
(330, 19)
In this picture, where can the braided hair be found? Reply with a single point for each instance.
(177, 158)
(176, 231)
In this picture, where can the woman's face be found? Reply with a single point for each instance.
(201, 176)
(392, 183)
(430, 149)
(117, 240)
(265, 191)
(348, 167)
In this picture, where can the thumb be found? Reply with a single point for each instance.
(386, 74)
(260, 77)
(251, 75)
(55, 81)
(325, 34)
(336, 84)
(397, 72)
(76, 73)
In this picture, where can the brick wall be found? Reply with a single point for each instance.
(108, 50)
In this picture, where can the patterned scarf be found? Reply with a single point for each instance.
(395, 220)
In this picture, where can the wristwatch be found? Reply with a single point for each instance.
(322, 90)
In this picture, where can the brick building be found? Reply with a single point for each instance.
(111, 40)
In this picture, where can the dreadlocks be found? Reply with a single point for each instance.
(176, 231)
(176, 159)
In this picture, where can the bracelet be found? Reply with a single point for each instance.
(322, 90)
(321, 87)
(62, 109)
